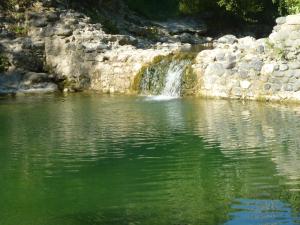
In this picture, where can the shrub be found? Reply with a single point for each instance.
(292, 6)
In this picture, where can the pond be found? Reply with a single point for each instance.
(88, 159)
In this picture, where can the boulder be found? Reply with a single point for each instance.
(293, 19)
(227, 39)
(281, 20)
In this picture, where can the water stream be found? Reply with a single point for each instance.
(163, 80)
(173, 80)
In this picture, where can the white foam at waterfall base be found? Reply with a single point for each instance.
(172, 89)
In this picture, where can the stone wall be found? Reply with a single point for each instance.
(247, 68)
(88, 58)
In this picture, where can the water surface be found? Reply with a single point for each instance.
(91, 160)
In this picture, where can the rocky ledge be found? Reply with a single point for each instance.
(63, 50)
(247, 68)
(80, 55)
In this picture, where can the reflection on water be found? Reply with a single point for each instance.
(257, 212)
(85, 159)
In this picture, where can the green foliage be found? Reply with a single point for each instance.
(4, 63)
(18, 30)
(195, 6)
(290, 6)
(11, 4)
(248, 10)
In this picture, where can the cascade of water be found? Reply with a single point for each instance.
(174, 78)
(163, 80)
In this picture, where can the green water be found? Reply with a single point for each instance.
(91, 160)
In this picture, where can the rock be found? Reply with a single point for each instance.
(33, 15)
(186, 48)
(278, 36)
(227, 39)
(293, 20)
(220, 55)
(65, 32)
(267, 87)
(283, 67)
(288, 87)
(294, 35)
(276, 28)
(187, 25)
(245, 84)
(260, 49)
(294, 65)
(187, 38)
(123, 39)
(278, 74)
(92, 47)
(215, 69)
(276, 87)
(281, 20)
(246, 42)
(243, 74)
(228, 64)
(267, 69)
(52, 16)
(32, 77)
(256, 64)
(296, 85)
(40, 22)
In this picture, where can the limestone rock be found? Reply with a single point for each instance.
(293, 19)
(227, 39)
(245, 84)
(215, 69)
(268, 69)
(63, 31)
(281, 20)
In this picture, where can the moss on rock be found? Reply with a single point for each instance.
(151, 77)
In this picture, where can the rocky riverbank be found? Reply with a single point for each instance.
(246, 68)
(80, 55)
(63, 50)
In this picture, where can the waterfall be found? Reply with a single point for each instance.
(163, 80)
(172, 88)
